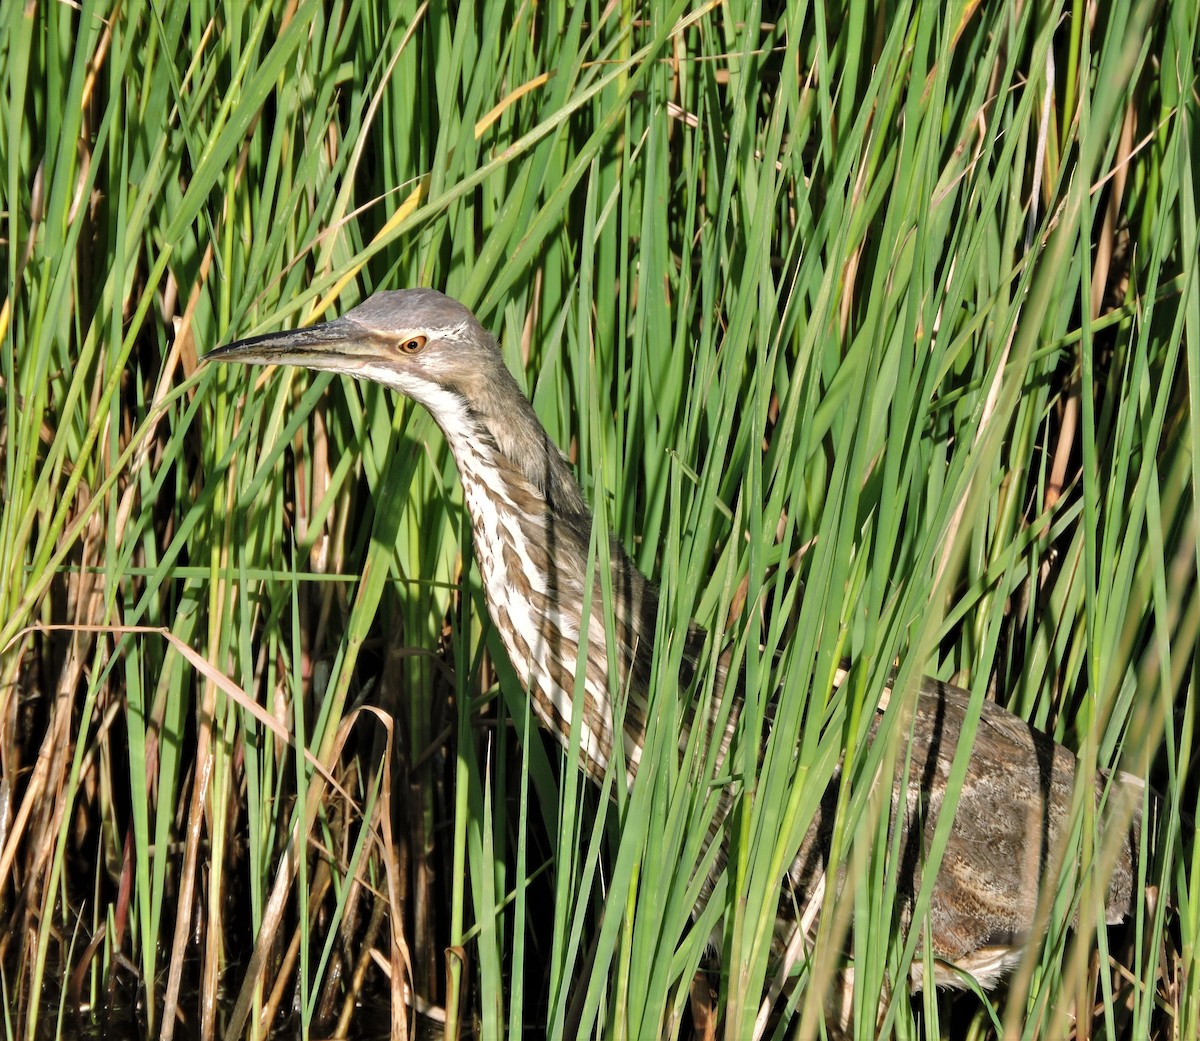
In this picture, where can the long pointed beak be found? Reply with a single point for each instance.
(338, 346)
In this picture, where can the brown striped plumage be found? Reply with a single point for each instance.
(531, 531)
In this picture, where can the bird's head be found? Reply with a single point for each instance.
(430, 348)
(417, 341)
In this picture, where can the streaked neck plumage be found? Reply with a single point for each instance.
(531, 531)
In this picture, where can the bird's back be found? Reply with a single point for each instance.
(1007, 839)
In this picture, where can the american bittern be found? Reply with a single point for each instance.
(531, 531)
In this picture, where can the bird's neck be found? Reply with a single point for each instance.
(532, 529)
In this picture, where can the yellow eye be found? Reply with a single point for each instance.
(413, 345)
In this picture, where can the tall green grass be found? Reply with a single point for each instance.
(871, 333)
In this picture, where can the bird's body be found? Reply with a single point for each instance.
(531, 529)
